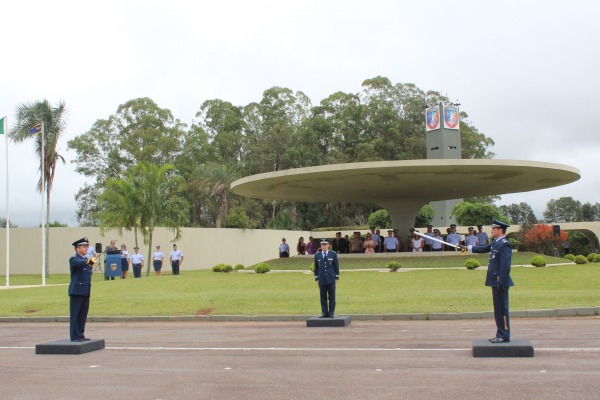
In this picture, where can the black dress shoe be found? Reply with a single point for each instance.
(323, 316)
(330, 316)
(500, 340)
(86, 338)
(77, 340)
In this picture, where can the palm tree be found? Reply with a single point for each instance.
(147, 197)
(219, 178)
(53, 118)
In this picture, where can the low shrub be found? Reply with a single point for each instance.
(312, 267)
(580, 259)
(262, 268)
(472, 263)
(238, 267)
(590, 257)
(538, 261)
(222, 268)
(393, 266)
(596, 258)
(570, 257)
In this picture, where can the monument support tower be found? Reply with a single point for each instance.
(442, 138)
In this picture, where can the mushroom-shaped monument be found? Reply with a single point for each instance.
(403, 187)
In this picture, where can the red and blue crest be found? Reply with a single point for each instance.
(451, 117)
(432, 118)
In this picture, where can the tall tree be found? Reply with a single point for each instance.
(139, 131)
(590, 212)
(218, 178)
(565, 209)
(520, 214)
(54, 123)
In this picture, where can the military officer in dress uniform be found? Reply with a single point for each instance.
(327, 273)
(79, 289)
(498, 277)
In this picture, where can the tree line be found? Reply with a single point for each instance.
(282, 130)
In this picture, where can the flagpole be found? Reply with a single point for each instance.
(7, 216)
(43, 180)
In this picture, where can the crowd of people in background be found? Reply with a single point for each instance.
(374, 242)
(136, 260)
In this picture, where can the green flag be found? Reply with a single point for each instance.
(2, 125)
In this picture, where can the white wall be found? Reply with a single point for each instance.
(202, 247)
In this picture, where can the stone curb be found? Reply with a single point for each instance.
(543, 313)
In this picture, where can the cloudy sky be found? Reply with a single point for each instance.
(526, 72)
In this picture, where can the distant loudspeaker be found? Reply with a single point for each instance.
(98, 247)
(555, 230)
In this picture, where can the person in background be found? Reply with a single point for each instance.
(301, 247)
(428, 242)
(137, 262)
(417, 243)
(471, 239)
(125, 260)
(390, 243)
(376, 238)
(369, 244)
(356, 244)
(437, 246)
(176, 259)
(482, 236)
(339, 244)
(284, 249)
(311, 246)
(157, 260)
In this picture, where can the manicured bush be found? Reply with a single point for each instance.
(238, 267)
(393, 266)
(312, 267)
(472, 263)
(580, 259)
(538, 261)
(596, 258)
(262, 268)
(590, 257)
(222, 268)
(570, 257)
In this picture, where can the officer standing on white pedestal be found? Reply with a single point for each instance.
(79, 289)
(498, 277)
(327, 273)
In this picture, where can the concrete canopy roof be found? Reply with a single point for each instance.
(385, 181)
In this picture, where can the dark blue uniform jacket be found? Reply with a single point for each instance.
(81, 276)
(326, 270)
(499, 264)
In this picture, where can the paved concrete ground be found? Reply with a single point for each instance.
(287, 360)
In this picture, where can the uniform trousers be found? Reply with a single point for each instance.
(79, 306)
(175, 267)
(500, 312)
(137, 270)
(327, 293)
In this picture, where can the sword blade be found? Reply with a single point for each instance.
(434, 239)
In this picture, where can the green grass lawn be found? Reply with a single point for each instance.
(207, 292)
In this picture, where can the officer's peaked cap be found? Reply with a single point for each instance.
(499, 224)
(324, 241)
(81, 241)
